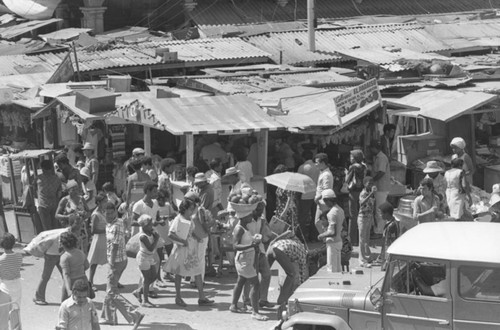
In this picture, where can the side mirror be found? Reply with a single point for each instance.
(376, 299)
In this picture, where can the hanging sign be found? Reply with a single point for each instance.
(357, 98)
(138, 113)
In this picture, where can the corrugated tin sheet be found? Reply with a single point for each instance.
(140, 54)
(445, 105)
(213, 12)
(467, 34)
(219, 31)
(205, 49)
(292, 47)
(207, 115)
(64, 34)
(14, 31)
(256, 84)
(25, 80)
(390, 60)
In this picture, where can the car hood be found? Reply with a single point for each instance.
(350, 290)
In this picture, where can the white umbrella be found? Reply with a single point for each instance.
(292, 181)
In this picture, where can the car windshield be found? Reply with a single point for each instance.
(479, 283)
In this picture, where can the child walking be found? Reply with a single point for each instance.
(391, 231)
(246, 245)
(145, 257)
(365, 220)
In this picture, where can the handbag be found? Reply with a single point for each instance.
(278, 226)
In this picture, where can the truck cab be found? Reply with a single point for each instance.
(442, 275)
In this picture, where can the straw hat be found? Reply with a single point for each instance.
(328, 193)
(193, 196)
(88, 146)
(138, 151)
(432, 167)
(200, 177)
(231, 171)
(71, 184)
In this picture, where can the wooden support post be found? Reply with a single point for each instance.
(147, 140)
(189, 150)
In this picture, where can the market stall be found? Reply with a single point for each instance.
(443, 115)
(187, 125)
(21, 216)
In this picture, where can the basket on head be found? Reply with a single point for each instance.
(242, 210)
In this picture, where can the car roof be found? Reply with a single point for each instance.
(464, 241)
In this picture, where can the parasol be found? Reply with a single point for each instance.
(292, 181)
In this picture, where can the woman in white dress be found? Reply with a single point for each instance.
(184, 259)
(457, 190)
(97, 252)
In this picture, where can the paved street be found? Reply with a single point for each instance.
(166, 316)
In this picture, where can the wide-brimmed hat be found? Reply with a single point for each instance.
(138, 151)
(231, 171)
(328, 193)
(432, 167)
(200, 177)
(88, 146)
(71, 184)
(85, 171)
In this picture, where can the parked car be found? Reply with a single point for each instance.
(441, 275)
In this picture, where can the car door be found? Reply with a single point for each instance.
(409, 298)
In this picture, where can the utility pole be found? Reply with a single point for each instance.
(310, 25)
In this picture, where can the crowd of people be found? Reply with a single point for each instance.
(171, 242)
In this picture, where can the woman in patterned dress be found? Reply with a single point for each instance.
(184, 259)
(97, 252)
(73, 206)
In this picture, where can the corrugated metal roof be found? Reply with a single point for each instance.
(292, 47)
(21, 47)
(14, 31)
(467, 34)
(256, 84)
(218, 12)
(445, 105)
(390, 59)
(64, 34)
(219, 31)
(26, 80)
(205, 49)
(207, 115)
(140, 54)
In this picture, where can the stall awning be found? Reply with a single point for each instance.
(196, 115)
(444, 105)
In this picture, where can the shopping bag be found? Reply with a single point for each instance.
(278, 226)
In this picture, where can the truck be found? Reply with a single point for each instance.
(440, 275)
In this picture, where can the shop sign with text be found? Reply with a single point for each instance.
(357, 97)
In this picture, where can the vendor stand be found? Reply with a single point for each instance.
(443, 115)
(21, 216)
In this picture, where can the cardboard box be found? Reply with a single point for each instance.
(95, 100)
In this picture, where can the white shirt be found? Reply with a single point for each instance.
(141, 208)
(325, 181)
(246, 172)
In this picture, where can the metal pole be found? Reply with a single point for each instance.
(310, 25)
(76, 62)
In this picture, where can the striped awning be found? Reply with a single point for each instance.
(196, 115)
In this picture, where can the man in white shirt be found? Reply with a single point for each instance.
(325, 181)
(214, 178)
(306, 204)
(382, 178)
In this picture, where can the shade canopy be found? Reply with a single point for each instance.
(292, 181)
